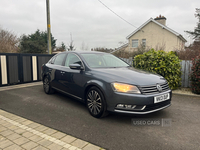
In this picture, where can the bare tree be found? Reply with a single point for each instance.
(160, 46)
(122, 43)
(61, 48)
(8, 42)
(84, 47)
(102, 49)
(71, 45)
(189, 52)
(196, 33)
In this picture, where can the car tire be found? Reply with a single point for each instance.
(47, 86)
(96, 103)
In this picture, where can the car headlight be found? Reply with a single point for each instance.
(125, 88)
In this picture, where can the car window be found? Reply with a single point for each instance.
(51, 61)
(103, 60)
(59, 59)
(72, 59)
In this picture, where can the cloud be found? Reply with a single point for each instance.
(90, 22)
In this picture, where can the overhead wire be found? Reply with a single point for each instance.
(116, 14)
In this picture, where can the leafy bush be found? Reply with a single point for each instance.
(162, 63)
(195, 75)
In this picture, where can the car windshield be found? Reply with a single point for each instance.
(96, 60)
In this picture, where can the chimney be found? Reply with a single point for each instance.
(161, 20)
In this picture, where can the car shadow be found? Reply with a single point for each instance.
(126, 118)
(112, 117)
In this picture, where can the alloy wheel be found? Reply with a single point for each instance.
(94, 102)
(46, 85)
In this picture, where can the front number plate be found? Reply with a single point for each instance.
(161, 98)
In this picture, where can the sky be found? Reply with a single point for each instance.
(90, 23)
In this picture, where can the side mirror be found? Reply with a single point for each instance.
(75, 67)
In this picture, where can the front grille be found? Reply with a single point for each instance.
(152, 89)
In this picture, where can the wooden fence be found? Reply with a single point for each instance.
(128, 60)
(186, 66)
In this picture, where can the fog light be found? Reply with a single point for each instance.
(125, 106)
(120, 106)
(128, 106)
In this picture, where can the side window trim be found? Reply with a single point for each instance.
(65, 60)
(53, 60)
(63, 63)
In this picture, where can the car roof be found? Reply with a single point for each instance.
(84, 52)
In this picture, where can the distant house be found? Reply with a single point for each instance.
(154, 34)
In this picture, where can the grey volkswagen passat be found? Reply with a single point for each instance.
(105, 83)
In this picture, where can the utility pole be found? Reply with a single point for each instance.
(48, 27)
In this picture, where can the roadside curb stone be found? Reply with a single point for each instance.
(179, 92)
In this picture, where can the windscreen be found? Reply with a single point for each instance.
(96, 60)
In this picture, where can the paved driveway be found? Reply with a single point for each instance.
(113, 132)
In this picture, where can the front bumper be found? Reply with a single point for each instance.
(144, 104)
(141, 112)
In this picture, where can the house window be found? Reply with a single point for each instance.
(144, 42)
(135, 43)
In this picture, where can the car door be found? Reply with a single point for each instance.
(55, 70)
(72, 79)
